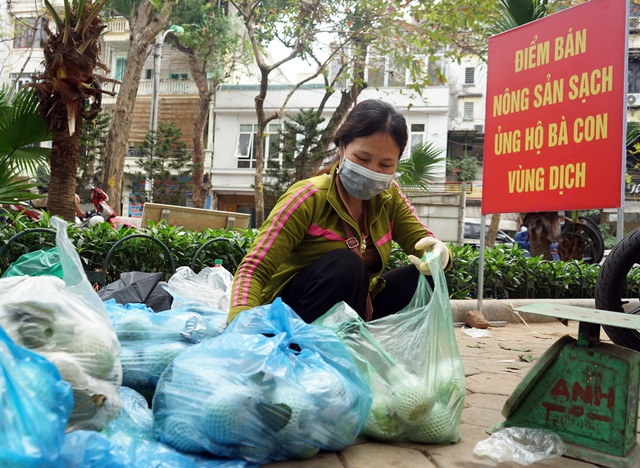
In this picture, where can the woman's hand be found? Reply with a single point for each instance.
(430, 244)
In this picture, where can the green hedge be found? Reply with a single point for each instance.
(508, 274)
(138, 254)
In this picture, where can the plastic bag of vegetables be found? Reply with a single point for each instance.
(65, 321)
(35, 405)
(150, 341)
(270, 387)
(128, 442)
(210, 286)
(412, 363)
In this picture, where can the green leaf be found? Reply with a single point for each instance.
(67, 21)
(419, 169)
(21, 128)
(79, 11)
(54, 14)
(524, 350)
(14, 189)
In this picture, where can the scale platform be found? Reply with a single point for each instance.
(584, 390)
(580, 314)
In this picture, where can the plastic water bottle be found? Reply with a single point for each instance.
(217, 263)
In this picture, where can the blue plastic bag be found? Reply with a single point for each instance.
(35, 405)
(128, 442)
(90, 449)
(150, 341)
(271, 387)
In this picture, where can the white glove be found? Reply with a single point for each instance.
(430, 244)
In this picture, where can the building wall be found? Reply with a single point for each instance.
(5, 47)
(466, 129)
(178, 103)
(15, 60)
(179, 109)
(461, 91)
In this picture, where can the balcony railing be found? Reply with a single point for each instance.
(440, 187)
(166, 87)
(169, 87)
(118, 25)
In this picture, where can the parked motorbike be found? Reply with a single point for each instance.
(103, 212)
(27, 210)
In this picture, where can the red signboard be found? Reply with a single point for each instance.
(556, 112)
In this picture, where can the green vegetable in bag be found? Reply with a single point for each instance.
(412, 364)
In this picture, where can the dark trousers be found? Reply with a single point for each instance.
(340, 275)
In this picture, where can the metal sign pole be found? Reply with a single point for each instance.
(620, 223)
(483, 223)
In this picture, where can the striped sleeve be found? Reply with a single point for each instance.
(285, 227)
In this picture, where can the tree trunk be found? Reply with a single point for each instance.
(492, 233)
(540, 247)
(259, 146)
(145, 26)
(199, 74)
(348, 98)
(65, 155)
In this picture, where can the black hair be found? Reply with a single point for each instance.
(369, 117)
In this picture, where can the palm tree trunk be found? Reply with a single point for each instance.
(65, 155)
(541, 247)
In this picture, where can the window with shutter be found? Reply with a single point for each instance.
(468, 111)
(469, 75)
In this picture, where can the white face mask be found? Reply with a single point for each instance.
(360, 182)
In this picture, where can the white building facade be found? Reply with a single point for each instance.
(232, 161)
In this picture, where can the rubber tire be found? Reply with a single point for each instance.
(590, 232)
(598, 239)
(610, 284)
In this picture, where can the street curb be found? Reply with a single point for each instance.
(502, 309)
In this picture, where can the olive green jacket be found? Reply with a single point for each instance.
(305, 224)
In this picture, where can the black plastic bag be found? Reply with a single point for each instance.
(139, 287)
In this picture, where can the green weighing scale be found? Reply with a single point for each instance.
(584, 390)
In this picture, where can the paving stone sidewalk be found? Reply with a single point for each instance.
(493, 370)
